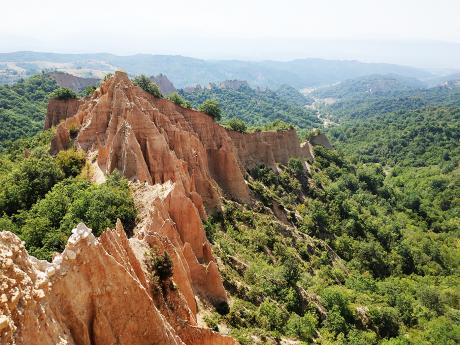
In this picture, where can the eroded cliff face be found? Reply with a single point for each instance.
(95, 292)
(181, 163)
(269, 148)
(60, 110)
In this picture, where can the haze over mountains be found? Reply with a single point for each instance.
(186, 71)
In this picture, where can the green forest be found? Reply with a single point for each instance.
(365, 247)
(23, 105)
(258, 107)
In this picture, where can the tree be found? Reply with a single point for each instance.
(63, 93)
(148, 86)
(177, 99)
(71, 161)
(28, 183)
(237, 125)
(89, 90)
(212, 108)
(160, 266)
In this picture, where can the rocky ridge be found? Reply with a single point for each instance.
(181, 163)
(73, 82)
(166, 86)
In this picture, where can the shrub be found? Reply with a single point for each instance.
(335, 322)
(385, 320)
(277, 125)
(148, 86)
(160, 266)
(296, 167)
(71, 161)
(302, 327)
(212, 108)
(63, 93)
(29, 182)
(89, 90)
(271, 316)
(177, 99)
(237, 125)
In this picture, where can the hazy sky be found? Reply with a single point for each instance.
(213, 28)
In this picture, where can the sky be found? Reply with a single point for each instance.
(248, 29)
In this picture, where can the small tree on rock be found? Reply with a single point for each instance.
(212, 108)
(237, 125)
(63, 93)
(147, 85)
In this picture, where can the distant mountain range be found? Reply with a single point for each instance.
(186, 71)
(371, 85)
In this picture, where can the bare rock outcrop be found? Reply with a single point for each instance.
(154, 140)
(180, 162)
(73, 82)
(95, 292)
(269, 148)
(320, 139)
(60, 110)
(166, 86)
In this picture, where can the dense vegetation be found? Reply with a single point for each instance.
(361, 262)
(421, 137)
(44, 197)
(372, 85)
(365, 245)
(370, 255)
(257, 107)
(23, 107)
(399, 102)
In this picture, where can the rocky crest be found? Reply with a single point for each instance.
(59, 110)
(181, 163)
(166, 86)
(73, 82)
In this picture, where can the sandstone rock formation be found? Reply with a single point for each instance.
(166, 86)
(269, 148)
(72, 82)
(95, 292)
(181, 163)
(320, 139)
(233, 84)
(59, 110)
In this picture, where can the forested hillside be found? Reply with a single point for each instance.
(371, 105)
(360, 248)
(372, 259)
(23, 107)
(373, 85)
(43, 197)
(258, 107)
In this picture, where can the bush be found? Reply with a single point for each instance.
(63, 93)
(177, 99)
(71, 161)
(160, 266)
(302, 327)
(148, 86)
(89, 90)
(237, 125)
(99, 206)
(271, 316)
(212, 108)
(277, 125)
(385, 320)
(28, 183)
